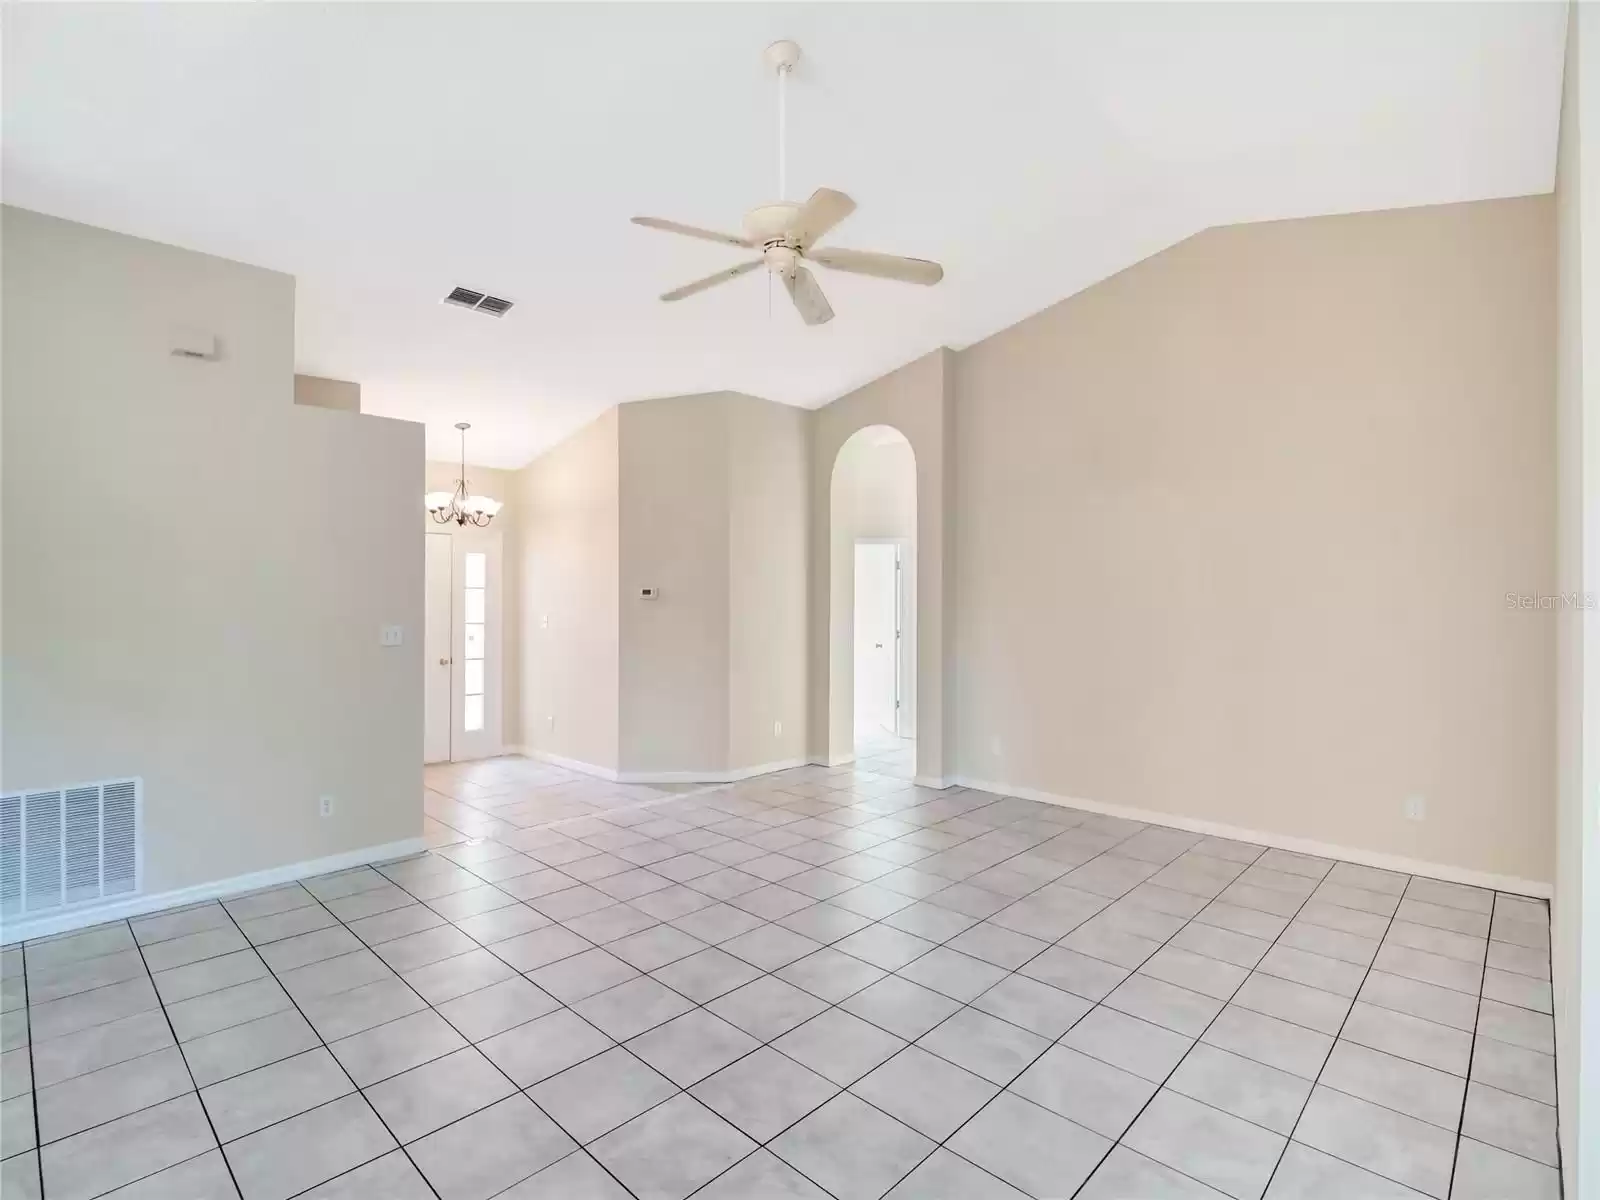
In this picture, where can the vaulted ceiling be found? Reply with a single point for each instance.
(385, 153)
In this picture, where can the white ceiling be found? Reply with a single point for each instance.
(383, 153)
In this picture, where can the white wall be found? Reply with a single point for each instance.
(199, 603)
(1575, 914)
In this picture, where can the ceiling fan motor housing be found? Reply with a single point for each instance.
(772, 223)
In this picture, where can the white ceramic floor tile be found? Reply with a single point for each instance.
(737, 941)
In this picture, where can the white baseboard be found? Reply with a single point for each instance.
(706, 776)
(1279, 841)
(571, 764)
(46, 925)
(733, 776)
(931, 781)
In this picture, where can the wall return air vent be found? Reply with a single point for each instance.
(494, 306)
(65, 847)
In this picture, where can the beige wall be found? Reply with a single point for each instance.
(1575, 912)
(874, 495)
(768, 477)
(1236, 528)
(502, 486)
(713, 504)
(675, 513)
(565, 559)
(917, 400)
(188, 611)
(318, 392)
(703, 498)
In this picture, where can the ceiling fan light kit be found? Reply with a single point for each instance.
(786, 232)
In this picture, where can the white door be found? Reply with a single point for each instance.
(461, 691)
(436, 651)
(877, 658)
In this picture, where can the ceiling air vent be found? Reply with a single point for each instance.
(68, 846)
(494, 306)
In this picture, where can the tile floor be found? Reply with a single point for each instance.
(820, 983)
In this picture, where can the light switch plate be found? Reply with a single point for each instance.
(391, 635)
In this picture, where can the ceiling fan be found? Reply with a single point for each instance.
(787, 233)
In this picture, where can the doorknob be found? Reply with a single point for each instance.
(444, 662)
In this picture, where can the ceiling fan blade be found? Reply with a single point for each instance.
(808, 298)
(883, 266)
(694, 231)
(821, 213)
(711, 281)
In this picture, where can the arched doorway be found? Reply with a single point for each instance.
(873, 600)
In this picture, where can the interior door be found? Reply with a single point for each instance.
(877, 658)
(476, 649)
(436, 650)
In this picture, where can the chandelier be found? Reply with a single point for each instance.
(457, 506)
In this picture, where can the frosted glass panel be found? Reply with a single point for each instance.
(474, 677)
(474, 613)
(476, 570)
(472, 714)
(474, 641)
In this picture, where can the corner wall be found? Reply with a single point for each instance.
(702, 498)
(713, 511)
(200, 604)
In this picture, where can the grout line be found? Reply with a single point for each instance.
(1472, 1051)
(743, 806)
(183, 1058)
(1334, 1045)
(1197, 1041)
(768, 1042)
(33, 1078)
(857, 883)
(429, 1006)
(323, 1043)
(272, 973)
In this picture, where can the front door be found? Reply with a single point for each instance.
(437, 651)
(462, 639)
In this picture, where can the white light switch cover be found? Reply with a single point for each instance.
(391, 635)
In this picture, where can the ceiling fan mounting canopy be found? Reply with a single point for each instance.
(786, 233)
(782, 55)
